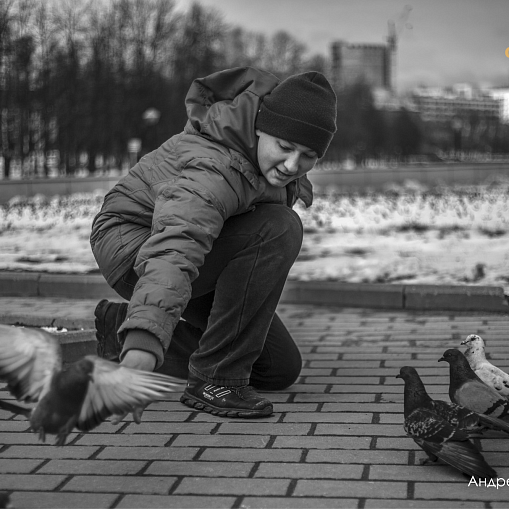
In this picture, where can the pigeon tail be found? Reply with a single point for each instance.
(461, 455)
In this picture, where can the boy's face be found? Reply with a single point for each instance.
(282, 161)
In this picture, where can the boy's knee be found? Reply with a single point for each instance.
(282, 226)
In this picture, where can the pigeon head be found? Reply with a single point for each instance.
(473, 340)
(407, 373)
(452, 356)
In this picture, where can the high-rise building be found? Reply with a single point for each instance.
(370, 63)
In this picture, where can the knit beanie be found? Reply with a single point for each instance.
(301, 109)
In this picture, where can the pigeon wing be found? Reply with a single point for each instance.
(494, 377)
(115, 389)
(28, 359)
(477, 396)
(425, 424)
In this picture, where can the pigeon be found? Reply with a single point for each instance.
(468, 390)
(487, 372)
(436, 427)
(82, 395)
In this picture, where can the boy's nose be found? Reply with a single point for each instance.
(292, 163)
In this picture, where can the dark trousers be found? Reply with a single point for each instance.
(231, 334)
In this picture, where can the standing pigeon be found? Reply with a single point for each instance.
(487, 372)
(82, 395)
(468, 390)
(436, 428)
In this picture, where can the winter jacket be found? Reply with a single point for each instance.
(164, 215)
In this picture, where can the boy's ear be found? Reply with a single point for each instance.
(258, 132)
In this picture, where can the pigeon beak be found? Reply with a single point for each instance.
(464, 342)
(441, 359)
(398, 376)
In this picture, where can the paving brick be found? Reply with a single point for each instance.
(299, 503)
(57, 500)
(370, 457)
(175, 502)
(14, 426)
(256, 455)
(200, 468)
(328, 417)
(17, 466)
(257, 441)
(133, 440)
(309, 471)
(120, 484)
(220, 486)
(336, 398)
(348, 489)
(362, 407)
(97, 467)
(360, 429)
(420, 504)
(264, 428)
(315, 442)
(148, 453)
(10, 482)
(48, 451)
(434, 473)
(168, 428)
(459, 491)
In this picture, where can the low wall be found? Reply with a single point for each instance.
(362, 179)
(359, 179)
(53, 186)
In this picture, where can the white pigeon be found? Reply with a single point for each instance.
(81, 395)
(487, 372)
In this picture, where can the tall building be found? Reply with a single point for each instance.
(502, 94)
(371, 63)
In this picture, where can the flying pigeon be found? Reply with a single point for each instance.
(81, 395)
(487, 372)
(436, 427)
(468, 390)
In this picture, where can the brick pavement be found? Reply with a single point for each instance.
(335, 440)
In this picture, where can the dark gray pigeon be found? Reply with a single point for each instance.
(440, 429)
(82, 395)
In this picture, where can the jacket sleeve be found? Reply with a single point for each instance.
(189, 214)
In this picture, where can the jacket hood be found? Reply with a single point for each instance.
(223, 108)
(224, 105)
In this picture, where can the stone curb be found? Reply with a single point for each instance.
(375, 296)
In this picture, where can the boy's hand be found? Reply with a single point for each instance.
(136, 359)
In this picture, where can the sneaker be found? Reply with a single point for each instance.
(109, 316)
(236, 401)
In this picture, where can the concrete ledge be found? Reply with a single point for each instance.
(343, 294)
(375, 296)
(465, 298)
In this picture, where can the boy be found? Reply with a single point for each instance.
(199, 237)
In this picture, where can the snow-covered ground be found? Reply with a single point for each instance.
(404, 235)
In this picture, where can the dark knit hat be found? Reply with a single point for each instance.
(301, 109)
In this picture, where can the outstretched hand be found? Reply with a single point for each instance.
(136, 359)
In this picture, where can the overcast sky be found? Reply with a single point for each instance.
(443, 42)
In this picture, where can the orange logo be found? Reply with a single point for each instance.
(507, 52)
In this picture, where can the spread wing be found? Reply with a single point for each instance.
(28, 359)
(115, 389)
